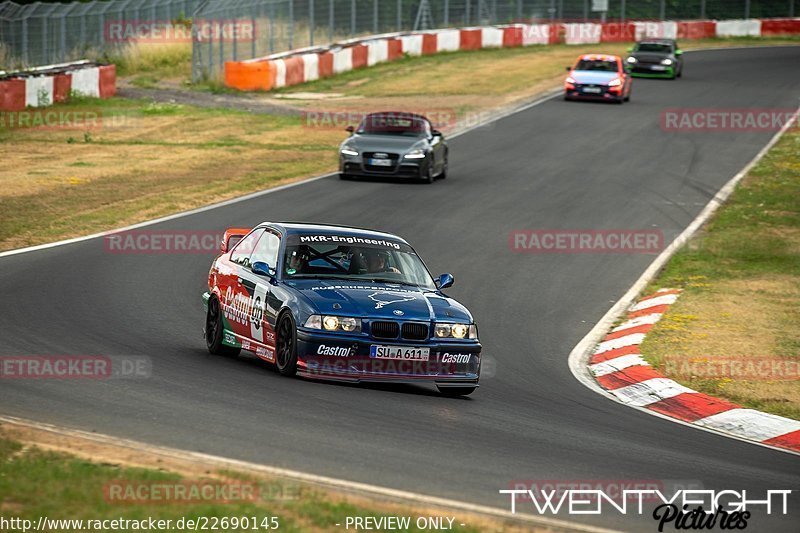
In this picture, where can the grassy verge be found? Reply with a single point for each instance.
(735, 331)
(142, 160)
(45, 481)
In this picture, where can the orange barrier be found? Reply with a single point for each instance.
(108, 81)
(360, 55)
(12, 95)
(394, 49)
(512, 36)
(62, 84)
(295, 70)
(780, 27)
(429, 44)
(250, 75)
(325, 65)
(471, 39)
(697, 29)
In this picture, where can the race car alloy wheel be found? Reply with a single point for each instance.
(214, 331)
(286, 349)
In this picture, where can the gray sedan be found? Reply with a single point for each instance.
(394, 144)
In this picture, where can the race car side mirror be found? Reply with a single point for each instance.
(350, 129)
(678, 52)
(231, 238)
(261, 268)
(630, 50)
(569, 69)
(444, 281)
(436, 133)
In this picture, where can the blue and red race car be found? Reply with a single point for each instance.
(339, 303)
(598, 77)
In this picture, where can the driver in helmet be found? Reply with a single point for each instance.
(378, 261)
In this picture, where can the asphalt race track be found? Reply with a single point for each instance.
(568, 165)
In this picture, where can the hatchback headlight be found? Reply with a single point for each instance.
(632, 60)
(455, 331)
(334, 323)
(419, 153)
(348, 150)
(666, 62)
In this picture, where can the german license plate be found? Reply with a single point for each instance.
(403, 353)
(658, 67)
(593, 90)
(380, 162)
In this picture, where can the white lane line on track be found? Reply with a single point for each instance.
(580, 355)
(328, 482)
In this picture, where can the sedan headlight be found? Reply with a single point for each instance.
(348, 150)
(334, 323)
(615, 83)
(456, 331)
(632, 60)
(666, 62)
(419, 153)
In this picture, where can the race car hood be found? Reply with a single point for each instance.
(380, 300)
(593, 77)
(651, 57)
(384, 143)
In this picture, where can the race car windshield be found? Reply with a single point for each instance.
(356, 263)
(596, 65)
(394, 124)
(657, 48)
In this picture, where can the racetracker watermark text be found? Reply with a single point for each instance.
(686, 120)
(586, 241)
(152, 242)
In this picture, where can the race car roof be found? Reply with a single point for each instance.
(598, 57)
(302, 228)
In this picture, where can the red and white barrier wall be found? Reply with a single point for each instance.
(299, 66)
(45, 85)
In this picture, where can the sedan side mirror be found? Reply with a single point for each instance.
(261, 268)
(436, 133)
(444, 281)
(350, 129)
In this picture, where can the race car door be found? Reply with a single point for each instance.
(234, 296)
(257, 286)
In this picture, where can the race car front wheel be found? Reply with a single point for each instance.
(214, 331)
(286, 346)
(455, 391)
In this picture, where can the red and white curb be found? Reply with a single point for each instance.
(618, 367)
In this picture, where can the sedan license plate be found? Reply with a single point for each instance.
(593, 90)
(403, 353)
(380, 162)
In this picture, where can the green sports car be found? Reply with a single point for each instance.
(656, 58)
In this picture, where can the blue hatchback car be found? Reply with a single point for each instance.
(339, 303)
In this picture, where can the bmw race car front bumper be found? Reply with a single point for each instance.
(344, 357)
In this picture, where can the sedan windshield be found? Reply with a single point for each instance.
(597, 65)
(356, 263)
(394, 124)
(656, 48)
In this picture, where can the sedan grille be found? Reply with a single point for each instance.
(385, 330)
(415, 331)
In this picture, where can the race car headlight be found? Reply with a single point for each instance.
(570, 79)
(348, 150)
(334, 323)
(456, 331)
(419, 153)
(631, 60)
(615, 83)
(666, 62)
